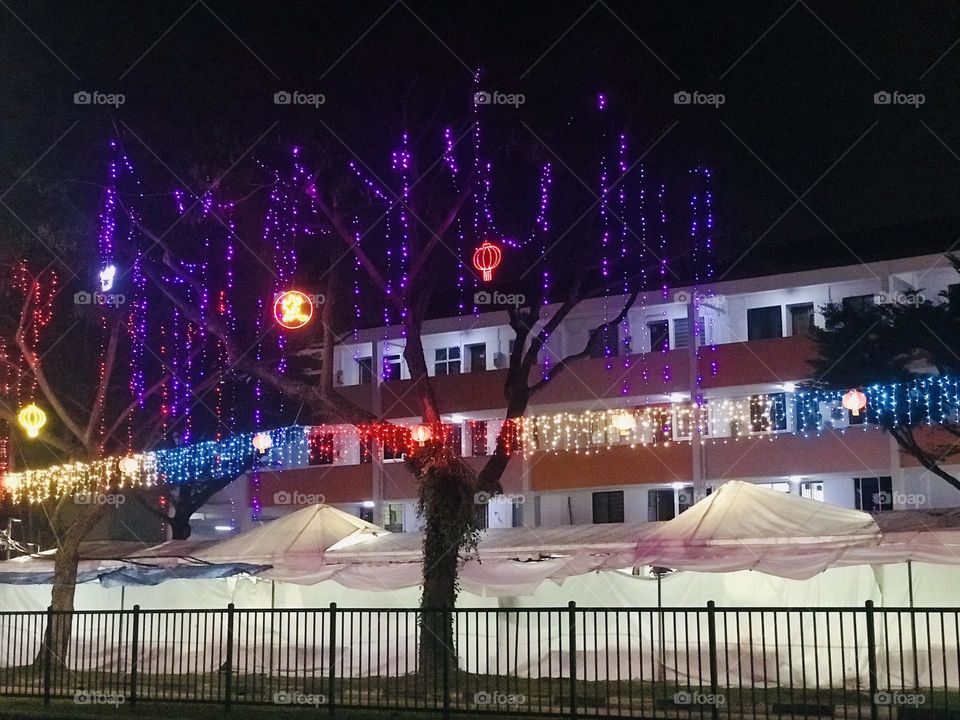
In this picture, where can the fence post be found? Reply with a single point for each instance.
(447, 632)
(136, 651)
(332, 657)
(712, 633)
(872, 659)
(47, 652)
(228, 684)
(572, 623)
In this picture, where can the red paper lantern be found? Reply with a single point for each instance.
(486, 259)
(854, 401)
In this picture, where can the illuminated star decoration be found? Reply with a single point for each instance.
(292, 309)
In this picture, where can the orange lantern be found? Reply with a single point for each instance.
(854, 401)
(486, 259)
(292, 309)
(262, 442)
(421, 433)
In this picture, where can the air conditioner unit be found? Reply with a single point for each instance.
(499, 360)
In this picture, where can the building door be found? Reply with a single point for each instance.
(477, 357)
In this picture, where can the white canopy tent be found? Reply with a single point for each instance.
(742, 531)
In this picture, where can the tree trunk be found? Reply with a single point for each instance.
(440, 562)
(65, 564)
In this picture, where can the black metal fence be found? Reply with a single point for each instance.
(860, 662)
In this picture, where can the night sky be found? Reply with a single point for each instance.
(799, 118)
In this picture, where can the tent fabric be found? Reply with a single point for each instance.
(155, 576)
(309, 532)
(745, 527)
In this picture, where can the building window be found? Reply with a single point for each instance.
(607, 343)
(476, 357)
(365, 367)
(681, 333)
(812, 490)
(659, 335)
(447, 361)
(764, 323)
(453, 437)
(391, 367)
(783, 487)
(478, 437)
(536, 511)
(801, 319)
(873, 494)
(482, 520)
(660, 505)
(393, 517)
(768, 413)
(608, 507)
(516, 513)
(321, 449)
(859, 303)
(953, 295)
(366, 513)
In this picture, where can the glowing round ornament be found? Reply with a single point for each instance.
(292, 309)
(625, 422)
(262, 442)
(128, 465)
(32, 419)
(421, 433)
(854, 401)
(486, 259)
